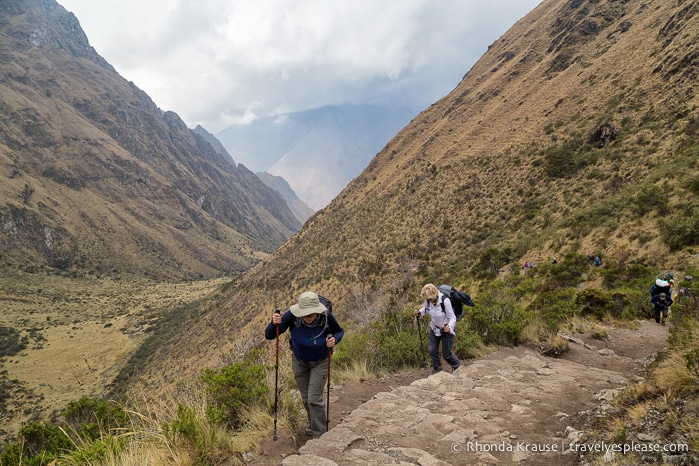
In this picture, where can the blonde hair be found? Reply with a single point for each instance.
(429, 292)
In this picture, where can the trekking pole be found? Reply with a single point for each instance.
(330, 356)
(419, 334)
(276, 379)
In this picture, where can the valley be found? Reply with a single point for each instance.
(66, 337)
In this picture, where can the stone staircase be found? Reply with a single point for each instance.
(509, 408)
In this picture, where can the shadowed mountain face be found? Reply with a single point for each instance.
(96, 178)
(575, 132)
(300, 210)
(318, 152)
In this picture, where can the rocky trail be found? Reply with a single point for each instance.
(511, 407)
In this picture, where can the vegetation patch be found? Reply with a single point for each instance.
(10, 342)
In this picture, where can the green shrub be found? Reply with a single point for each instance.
(637, 274)
(651, 198)
(95, 451)
(565, 160)
(467, 342)
(397, 349)
(595, 303)
(234, 387)
(190, 431)
(685, 318)
(681, 230)
(567, 273)
(694, 186)
(92, 417)
(490, 262)
(389, 344)
(39, 443)
(10, 342)
(554, 308)
(497, 317)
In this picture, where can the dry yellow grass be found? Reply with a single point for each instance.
(81, 333)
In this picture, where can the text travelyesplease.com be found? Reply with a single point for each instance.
(563, 447)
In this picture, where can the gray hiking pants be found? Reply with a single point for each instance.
(447, 340)
(311, 378)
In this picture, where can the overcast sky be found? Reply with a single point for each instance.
(219, 62)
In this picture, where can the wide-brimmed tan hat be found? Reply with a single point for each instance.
(308, 304)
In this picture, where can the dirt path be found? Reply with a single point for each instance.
(509, 407)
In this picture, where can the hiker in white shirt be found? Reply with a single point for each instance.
(442, 326)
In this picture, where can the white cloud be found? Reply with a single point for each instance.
(223, 61)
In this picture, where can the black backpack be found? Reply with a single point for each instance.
(325, 302)
(458, 299)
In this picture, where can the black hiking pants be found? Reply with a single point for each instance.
(660, 310)
(447, 340)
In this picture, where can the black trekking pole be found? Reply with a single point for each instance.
(330, 356)
(276, 379)
(419, 334)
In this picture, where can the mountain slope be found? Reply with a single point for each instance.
(279, 184)
(96, 178)
(316, 151)
(300, 210)
(576, 131)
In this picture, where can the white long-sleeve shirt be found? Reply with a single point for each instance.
(439, 318)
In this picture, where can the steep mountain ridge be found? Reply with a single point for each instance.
(515, 163)
(96, 178)
(299, 208)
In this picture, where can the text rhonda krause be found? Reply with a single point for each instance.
(601, 447)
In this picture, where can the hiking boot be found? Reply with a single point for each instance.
(308, 432)
(455, 367)
(436, 371)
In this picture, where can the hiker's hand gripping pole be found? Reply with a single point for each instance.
(276, 378)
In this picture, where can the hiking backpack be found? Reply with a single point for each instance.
(660, 286)
(325, 302)
(298, 321)
(458, 299)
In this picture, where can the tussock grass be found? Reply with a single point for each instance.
(358, 371)
(674, 377)
(160, 435)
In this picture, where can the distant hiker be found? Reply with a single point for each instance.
(598, 261)
(314, 331)
(442, 326)
(555, 260)
(685, 291)
(661, 303)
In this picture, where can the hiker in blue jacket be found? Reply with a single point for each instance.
(661, 304)
(314, 331)
(442, 326)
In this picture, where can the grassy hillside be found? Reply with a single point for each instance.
(575, 136)
(513, 165)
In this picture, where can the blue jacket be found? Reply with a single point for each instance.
(307, 343)
(660, 303)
